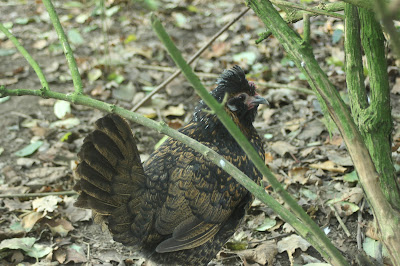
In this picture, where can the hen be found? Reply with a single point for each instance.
(178, 208)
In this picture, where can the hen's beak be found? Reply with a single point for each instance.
(254, 101)
(257, 99)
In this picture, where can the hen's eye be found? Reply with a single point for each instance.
(242, 97)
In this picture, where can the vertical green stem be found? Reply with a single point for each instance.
(28, 57)
(76, 77)
(376, 121)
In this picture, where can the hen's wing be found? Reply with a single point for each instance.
(200, 198)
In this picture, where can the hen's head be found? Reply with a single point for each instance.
(242, 99)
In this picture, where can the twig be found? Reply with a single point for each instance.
(284, 86)
(314, 10)
(172, 70)
(194, 57)
(359, 220)
(306, 28)
(340, 221)
(39, 194)
(296, 16)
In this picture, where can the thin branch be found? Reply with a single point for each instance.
(191, 60)
(298, 15)
(39, 194)
(306, 28)
(285, 86)
(339, 219)
(173, 70)
(317, 11)
(28, 57)
(76, 77)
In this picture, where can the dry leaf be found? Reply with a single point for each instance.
(298, 174)
(329, 166)
(29, 220)
(263, 254)
(282, 147)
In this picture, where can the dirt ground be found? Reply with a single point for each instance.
(119, 58)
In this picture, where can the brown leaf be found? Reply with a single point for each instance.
(329, 166)
(29, 220)
(282, 147)
(60, 227)
(298, 174)
(263, 254)
(60, 255)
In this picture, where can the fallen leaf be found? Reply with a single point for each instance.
(282, 147)
(46, 204)
(66, 124)
(16, 204)
(29, 220)
(174, 110)
(60, 226)
(60, 255)
(29, 149)
(291, 243)
(75, 254)
(62, 109)
(73, 213)
(298, 174)
(396, 87)
(329, 166)
(263, 254)
(372, 247)
(266, 225)
(27, 244)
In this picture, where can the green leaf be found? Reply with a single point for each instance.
(351, 177)
(116, 77)
(38, 251)
(371, 247)
(75, 37)
(7, 52)
(249, 57)
(24, 243)
(336, 36)
(67, 123)
(130, 38)
(236, 245)
(180, 19)
(4, 99)
(266, 225)
(30, 149)
(94, 74)
(111, 11)
(268, 136)
(22, 21)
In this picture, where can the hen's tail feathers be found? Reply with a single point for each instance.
(111, 174)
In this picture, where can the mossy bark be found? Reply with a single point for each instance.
(372, 117)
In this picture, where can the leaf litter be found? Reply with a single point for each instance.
(312, 165)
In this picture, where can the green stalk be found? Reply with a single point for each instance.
(28, 57)
(69, 55)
